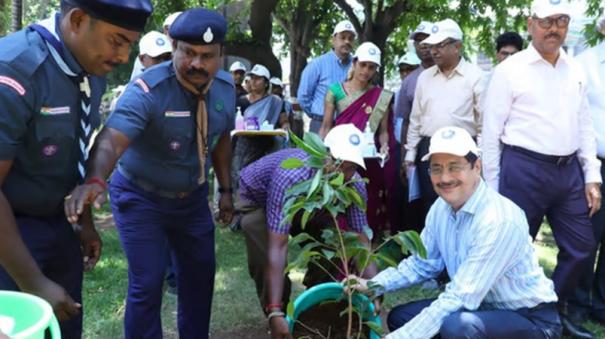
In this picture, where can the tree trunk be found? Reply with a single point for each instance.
(17, 15)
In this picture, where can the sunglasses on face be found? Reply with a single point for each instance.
(562, 21)
(443, 44)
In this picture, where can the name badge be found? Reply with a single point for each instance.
(55, 110)
(177, 114)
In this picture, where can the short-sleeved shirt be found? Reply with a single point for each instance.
(265, 183)
(158, 116)
(39, 123)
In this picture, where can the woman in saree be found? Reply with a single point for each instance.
(360, 102)
(263, 106)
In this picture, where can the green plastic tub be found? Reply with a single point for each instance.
(329, 291)
(27, 316)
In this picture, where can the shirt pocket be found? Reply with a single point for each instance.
(178, 138)
(55, 139)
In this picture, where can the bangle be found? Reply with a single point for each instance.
(225, 190)
(268, 307)
(275, 314)
(98, 181)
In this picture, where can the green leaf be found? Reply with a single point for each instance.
(315, 162)
(328, 194)
(315, 141)
(356, 198)
(292, 163)
(375, 327)
(304, 219)
(328, 254)
(315, 183)
(299, 188)
(411, 241)
(290, 309)
(300, 238)
(304, 146)
(339, 180)
(388, 260)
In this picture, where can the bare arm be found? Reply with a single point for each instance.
(329, 108)
(221, 160)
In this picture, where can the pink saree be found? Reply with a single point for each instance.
(382, 209)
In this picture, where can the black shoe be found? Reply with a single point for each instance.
(574, 330)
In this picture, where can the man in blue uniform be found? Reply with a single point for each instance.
(51, 82)
(164, 127)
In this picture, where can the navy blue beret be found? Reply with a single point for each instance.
(199, 26)
(128, 14)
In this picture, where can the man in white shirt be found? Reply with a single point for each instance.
(539, 144)
(447, 94)
(497, 288)
(589, 298)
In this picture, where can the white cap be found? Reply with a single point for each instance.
(275, 81)
(423, 27)
(154, 44)
(546, 8)
(344, 26)
(368, 52)
(442, 30)
(409, 58)
(237, 66)
(346, 143)
(452, 140)
(170, 19)
(261, 71)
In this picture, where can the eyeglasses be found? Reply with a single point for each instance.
(546, 23)
(453, 169)
(443, 44)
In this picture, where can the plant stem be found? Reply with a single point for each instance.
(345, 263)
(360, 324)
(314, 331)
(325, 270)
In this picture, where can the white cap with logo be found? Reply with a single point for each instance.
(170, 19)
(154, 44)
(409, 58)
(275, 81)
(367, 52)
(261, 71)
(346, 143)
(344, 26)
(452, 140)
(546, 8)
(237, 66)
(442, 30)
(423, 27)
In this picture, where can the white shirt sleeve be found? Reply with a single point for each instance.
(413, 137)
(498, 102)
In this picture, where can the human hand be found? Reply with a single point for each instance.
(91, 247)
(63, 305)
(226, 210)
(279, 328)
(83, 195)
(353, 282)
(593, 197)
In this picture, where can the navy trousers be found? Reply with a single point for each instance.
(147, 224)
(55, 247)
(543, 188)
(525, 323)
(426, 186)
(589, 296)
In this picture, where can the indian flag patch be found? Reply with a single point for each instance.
(177, 114)
(55, 110)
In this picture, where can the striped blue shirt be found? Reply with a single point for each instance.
(319, 74)
(488, 254)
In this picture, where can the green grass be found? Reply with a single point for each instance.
(235, 305)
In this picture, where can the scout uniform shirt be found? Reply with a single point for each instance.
(157, 114)
(39, 123)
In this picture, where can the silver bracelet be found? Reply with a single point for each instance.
(275, 314)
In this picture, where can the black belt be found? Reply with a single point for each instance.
(558, 160)
(151, 188)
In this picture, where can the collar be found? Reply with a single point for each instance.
(68, 57)
(345, 62)
(473, 203)
(460, 68)
(532, 55)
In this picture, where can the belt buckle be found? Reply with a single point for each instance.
(563, 161)
(182, 195)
